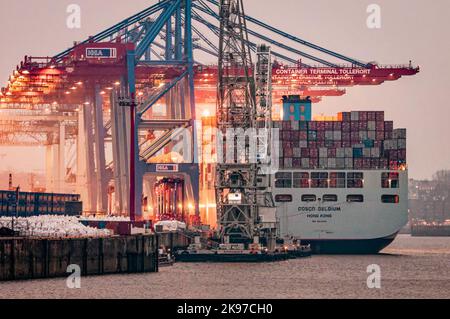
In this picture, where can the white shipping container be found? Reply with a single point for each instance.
(340, 152)
(331, 163)
(349, 163)
(288, 163)
(305, 162)
(354, 116)
(363, 135)
(349, 152)
(329, 135)
(323, 152)
(375, 152)
(366, 152)
(340, 163)
(337, 135)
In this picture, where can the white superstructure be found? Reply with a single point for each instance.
(342, 211)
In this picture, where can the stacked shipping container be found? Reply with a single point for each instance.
(34, 204)
(358, 140)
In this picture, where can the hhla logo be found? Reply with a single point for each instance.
(74, 19)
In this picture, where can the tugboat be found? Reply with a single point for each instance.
(237, 253)
(295, 249)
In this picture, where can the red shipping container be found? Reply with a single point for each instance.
(355, 126)
(363, 116)
(288, 152)
(384, 163)
(321, 143)
(393, 155)
(305, 152)
(346, 144)
(380, 116)
(346, 127)
(379, 126)
(378, 143)
(337, 126)
(362, 125)
(354, 136)
(388, 135)
(374, 163)
(320, 135)
(371, 116)
(389, 126)
(358, 163)
(329, 125)
(366, 163)
(332, 152)
(393, 165)
(314, 152)
(312, 125)
(313, 162)
(286, 125)
(380, 136)
(296, 162)
(312, 144)
(346, 136)
(303, 135)
(320, 126)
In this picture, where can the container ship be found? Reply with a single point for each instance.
(342, 186)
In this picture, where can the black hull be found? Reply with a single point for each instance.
(349, 247)
(231, 258)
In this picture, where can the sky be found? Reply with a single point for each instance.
(416, 30)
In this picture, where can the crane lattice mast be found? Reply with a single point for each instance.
(237, 117)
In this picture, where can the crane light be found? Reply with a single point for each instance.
(206, 113)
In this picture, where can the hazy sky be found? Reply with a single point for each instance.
(416, 30)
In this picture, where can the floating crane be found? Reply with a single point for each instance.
(244, 117)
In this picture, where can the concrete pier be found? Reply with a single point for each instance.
(26, 258)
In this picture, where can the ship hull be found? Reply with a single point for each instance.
(349, 246)
(340, 225)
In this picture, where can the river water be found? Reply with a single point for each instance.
(410, 268)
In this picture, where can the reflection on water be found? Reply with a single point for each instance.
(410, 268)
